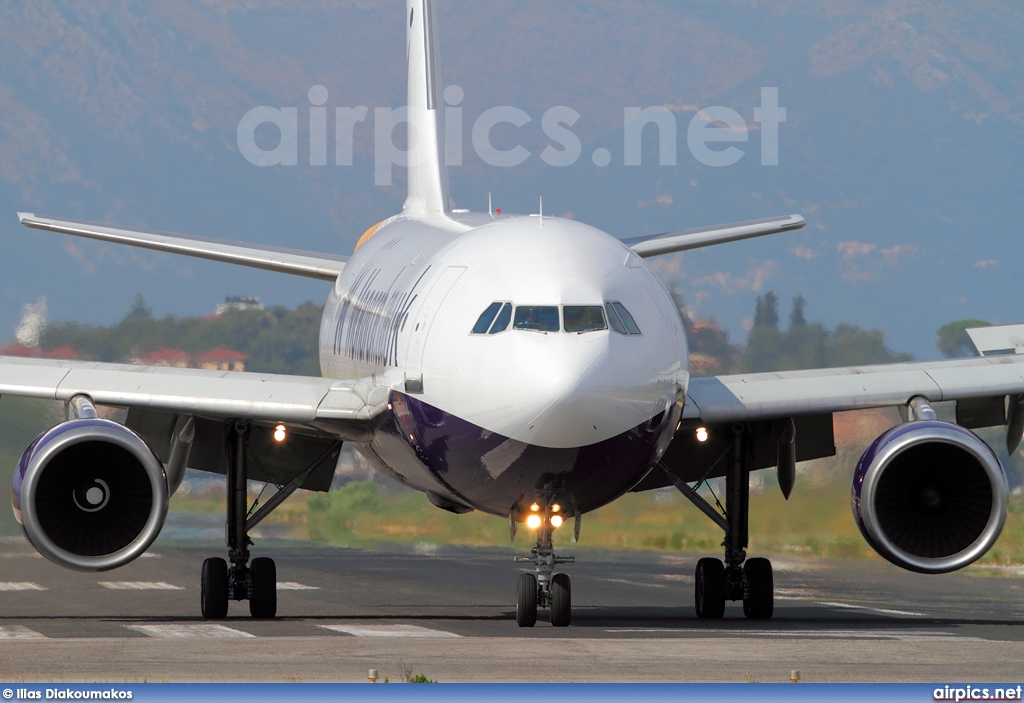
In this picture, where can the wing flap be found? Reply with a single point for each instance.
(763, 396)
(667, 242)
(299, 263)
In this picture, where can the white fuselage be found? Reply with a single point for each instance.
(404, 310)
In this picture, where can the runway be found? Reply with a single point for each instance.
(448, 612)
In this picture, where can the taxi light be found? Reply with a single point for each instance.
(556, 508)
(702, 434)
(556, 520)
(533, 522)
(534, 508)
(280, 433)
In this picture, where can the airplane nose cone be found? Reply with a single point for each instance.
(580, 396)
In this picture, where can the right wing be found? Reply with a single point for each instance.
(220, 395)
(326, 267)
(668, 242)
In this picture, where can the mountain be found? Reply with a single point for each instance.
(902, 143)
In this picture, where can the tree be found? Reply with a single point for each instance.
(766, 311)
(952, 338)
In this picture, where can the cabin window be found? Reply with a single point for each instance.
(540, 318)
(483, 322)
(620, 319)
(583, 318)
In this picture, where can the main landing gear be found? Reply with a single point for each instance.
(255, 582)
(738, 578)
(544, 588)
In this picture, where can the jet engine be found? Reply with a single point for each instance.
(929, 496)
(90, 494)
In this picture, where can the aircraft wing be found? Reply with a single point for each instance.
(667, 242)
(270, 398)
(300, 263)
(768, 396)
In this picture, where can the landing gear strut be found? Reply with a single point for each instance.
(738, 578)
(256, 583)
(544, 588)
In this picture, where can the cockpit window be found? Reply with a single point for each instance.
(583, 318)
(501, 324)
(613, 319)
(620, 319)
(483, 323)
(542, 318)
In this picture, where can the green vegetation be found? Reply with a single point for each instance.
(952, 338)
(277, 340)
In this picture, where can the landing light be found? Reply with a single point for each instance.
(534, 508)
(533, 522)
(556, 520)
(280, 433)
(556, 508)
(702, 434)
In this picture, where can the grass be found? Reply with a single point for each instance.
(815, 521)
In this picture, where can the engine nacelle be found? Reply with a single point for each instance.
(90, 494)
(930, 496)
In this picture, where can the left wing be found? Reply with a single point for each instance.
(667, 242)
(326, 267)
(769, 396)
(782, 406)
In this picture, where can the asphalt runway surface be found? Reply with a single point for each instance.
(448, 612)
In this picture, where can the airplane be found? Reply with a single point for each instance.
(526, 366)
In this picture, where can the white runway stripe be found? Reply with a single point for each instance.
(140, 586)
(388, 631)
(886, 611)
(293, 586)
(20, 586)
(17, 632)
(204, 630)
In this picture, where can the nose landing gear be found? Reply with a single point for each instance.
(544, 588)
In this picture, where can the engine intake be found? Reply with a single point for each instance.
(90, 494)
(930, 496)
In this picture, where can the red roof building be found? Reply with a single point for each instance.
(221, 359)
(165, 357)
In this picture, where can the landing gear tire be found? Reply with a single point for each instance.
(263, 603)
(214, 589)
(526, 601)
(709, 589)
(561, 600)
(759, 587)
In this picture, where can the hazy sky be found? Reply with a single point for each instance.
(902, 144)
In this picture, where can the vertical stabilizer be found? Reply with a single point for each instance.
(428, 175)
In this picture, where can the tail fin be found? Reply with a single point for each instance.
(428, 175)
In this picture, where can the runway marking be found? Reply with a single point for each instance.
(140, 586)
(831, 634)
(17, 632)
(293, 586)
(635, 583)
(886, 611)
(388, 631)
(20, 586)
(205, 631)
